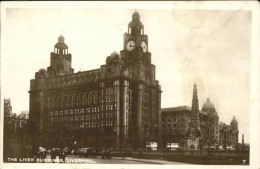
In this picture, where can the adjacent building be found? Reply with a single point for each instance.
(177, 125)
(13, 121)
(116, 105)
(229, 133)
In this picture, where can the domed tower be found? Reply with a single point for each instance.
(113, 65)
(60, 59)
(209, 108)
(234, 131)
(234, 123)
(135, 52)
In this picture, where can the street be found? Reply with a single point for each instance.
(114, 160)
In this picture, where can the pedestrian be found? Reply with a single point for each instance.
(62, 156)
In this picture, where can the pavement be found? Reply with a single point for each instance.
(151, 161)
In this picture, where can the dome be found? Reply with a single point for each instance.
(60, 44)
(61, 38)
(114, 55)
(234, 120)
(136, 15)
(208, 107)
(42, 70)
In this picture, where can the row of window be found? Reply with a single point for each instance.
(108, 99)
(83, 110)
(108, 91)
(89, 124)
(82, 118)
(68, 82)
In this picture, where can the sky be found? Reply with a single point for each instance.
(209, 47)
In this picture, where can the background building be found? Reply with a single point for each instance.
(117, 105)
(229, 133)
(14, 126)
(13, 121)
(176, 123)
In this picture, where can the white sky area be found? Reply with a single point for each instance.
(209, 47)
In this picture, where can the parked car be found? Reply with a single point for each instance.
(106, 153)
(81, 152)
(92, 153)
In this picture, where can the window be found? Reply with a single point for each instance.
(82, 117)
(71, 111)
(65, 118)
(76, 118)
(81, 111)
(88, 110)
(60, 119)
(61, 113)
(51, 120)
(71, 118)
(81, 125)
(76, 111)
(87, 124)
(51, 113)
(65, 112)
(56, 113)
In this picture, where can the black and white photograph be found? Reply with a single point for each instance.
(151, 83)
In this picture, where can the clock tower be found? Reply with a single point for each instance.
(145, 89)
(136, 42)
(60, 59)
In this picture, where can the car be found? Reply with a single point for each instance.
(82, 152)
(106, 153)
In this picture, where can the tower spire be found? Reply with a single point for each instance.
(195, 108)
(195, 100)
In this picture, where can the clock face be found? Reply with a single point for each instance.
(144, 46)
(130, 45)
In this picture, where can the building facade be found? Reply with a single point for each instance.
(13, 121)
(229, 133)
(177, 123)
(116, 105)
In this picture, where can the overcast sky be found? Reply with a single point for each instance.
(207, 47)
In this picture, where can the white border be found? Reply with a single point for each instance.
(203, 5)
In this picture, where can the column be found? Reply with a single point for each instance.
(140, 115)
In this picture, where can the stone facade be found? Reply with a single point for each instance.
(116, 105)
(12, 121)
(177, 124)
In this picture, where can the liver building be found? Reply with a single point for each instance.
(117, 105)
